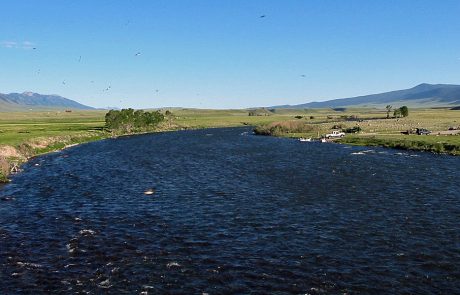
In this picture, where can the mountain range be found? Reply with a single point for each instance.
(423, 95)
(30, 100)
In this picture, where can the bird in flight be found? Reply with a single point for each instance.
(262, 16)
(137, 54)
(79, 59)
(63, 82)
(303, 76)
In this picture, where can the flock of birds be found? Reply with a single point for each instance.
(108, 88)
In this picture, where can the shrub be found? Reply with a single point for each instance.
(4, 169)
(26, 149)
(355, 129)
(280, 128)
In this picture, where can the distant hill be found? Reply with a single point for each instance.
(423, 95)
(29, 100)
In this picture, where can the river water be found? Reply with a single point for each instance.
(231, 213)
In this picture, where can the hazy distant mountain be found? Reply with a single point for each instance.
(423, 95)
(35, 101)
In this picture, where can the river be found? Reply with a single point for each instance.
(231, 213)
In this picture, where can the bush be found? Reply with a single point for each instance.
(26, 149)
(355, 129)
(280, 128)
(4, 169)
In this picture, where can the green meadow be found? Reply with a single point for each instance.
(19, 127)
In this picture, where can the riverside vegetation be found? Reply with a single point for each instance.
(26, 134)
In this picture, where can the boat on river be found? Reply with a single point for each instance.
(305, 139)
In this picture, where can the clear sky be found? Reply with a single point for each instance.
(223, 53)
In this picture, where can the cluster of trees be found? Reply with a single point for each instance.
(397, 113)
(401, 112)
(129, 120)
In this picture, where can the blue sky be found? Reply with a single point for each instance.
(221, 53)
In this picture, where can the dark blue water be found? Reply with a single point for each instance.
(231, 213)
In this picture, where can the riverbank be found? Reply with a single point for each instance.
(372, 128)
(12, 157)
(442, 144)
(28, 134)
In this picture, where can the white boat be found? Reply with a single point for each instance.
(305, 139)
(323, 140)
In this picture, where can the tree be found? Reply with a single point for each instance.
(397, 113)
(388, 107)
(404, 111)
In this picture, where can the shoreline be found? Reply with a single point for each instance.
(401, 143)
(13, 158)
(441, 148)
(398, 133)
(18, 157)
(398, 143)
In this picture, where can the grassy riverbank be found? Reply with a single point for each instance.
(435, 144)
(26, 134)
(376, 129)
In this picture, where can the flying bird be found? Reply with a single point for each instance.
(137, 54)
(63, 82)
(262, 16)
(79, 59)
(303, 76)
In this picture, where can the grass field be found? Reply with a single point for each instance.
(24, 134)
(19, 127)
